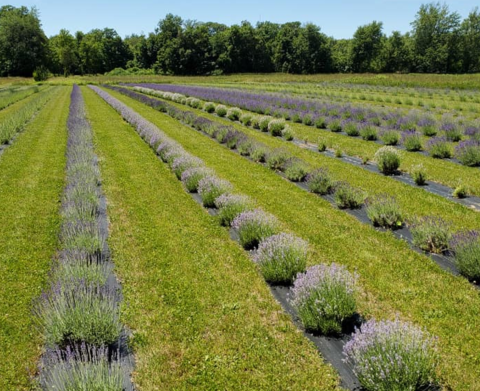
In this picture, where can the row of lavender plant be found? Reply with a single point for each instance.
(391, 127)
(323, 295)
(382, 210)
(79, 312)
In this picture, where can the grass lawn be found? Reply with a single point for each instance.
(396, 279)
(202, 316)
(31, 183)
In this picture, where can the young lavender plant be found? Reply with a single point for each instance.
(392, 356)
(383, 211)
(254, 226)
(388, 160)
(466, 249)
(281, 257)
(211, 187)
(192, 176)
(431, 234)
(324, 297)
(320, 181)
(419, 175)
(348, 197)
(230, 206)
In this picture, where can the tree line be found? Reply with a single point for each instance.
(439, 42)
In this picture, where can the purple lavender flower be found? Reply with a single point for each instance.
(468, 152)
(324, 297)
(281, 257)
(184, 162)
(466, 248)
(392, 356)
(254, 226)
(211, 187)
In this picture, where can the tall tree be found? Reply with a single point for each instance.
(366, 46)
(64, 54)
(436, 38)
(470, 42)
(23, 44)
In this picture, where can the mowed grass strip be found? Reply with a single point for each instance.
(31, 182)
(14, 107)
(202, 316)
(397, 280)
(414, 201)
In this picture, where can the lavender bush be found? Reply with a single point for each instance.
(392, 356)
(468, 153)
(466, 249)
(234, 113)
(296, 170)
(388, 160)
(439, 148)
(211, 187)
(383, 211)
(276, 126)
(82, 368)
(281, 257)
(221, 110)
(277, 158)
(412, 141)
(419, 175)
(348, 197)
(324, 297)
(182, 163)
(431, 234)
(390, 137)
(209, 107)
(230, 206)
(192, 176)
(320, 181)
(263, 123)
(254, 226)
(369, 133)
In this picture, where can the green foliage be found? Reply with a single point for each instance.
(419, 175)
(431, 234)
(388, 160)
(348, 197)
(384, 211)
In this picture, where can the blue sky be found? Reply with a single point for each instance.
(338, 18)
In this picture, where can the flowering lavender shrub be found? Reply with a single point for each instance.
(193, 102)
(263, 123)
(412, 141)
(392, 356)
(165, 147)
(439, 148)
(388, 160)
(234, 113)
(259, 153)
(429, 130)
(280, 257)
(192, 176)
(288, 133)
(276, 126)
(348, 197)
(209, 107)
(221, 110)
(466, 249)
(419, 175)
(74, 265)
(369, 133)
(390, 137)
(277, 158)
(296, 170)
(335, 126)
(77, 312)
(324, 297)
(82, 368)
(211, 187)
(383, 211)
(431, 234)
(351, 128)
(254, 226)
(245, 146)
(468, 153)
(184, 162)
(246, 119)
(321, 123)
(230, 206)
(451, 131)
(82, 236)
(320, 181)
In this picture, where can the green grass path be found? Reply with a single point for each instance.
(31, 182)
(202, 316)
(397, 280)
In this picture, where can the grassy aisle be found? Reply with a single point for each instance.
(397, 279)
(202, 316)
(17, 105)
(31, 181)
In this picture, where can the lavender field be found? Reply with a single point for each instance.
(239, 235)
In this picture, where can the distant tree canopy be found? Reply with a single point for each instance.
(439, 42)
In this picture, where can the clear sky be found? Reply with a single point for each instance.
(337, 18)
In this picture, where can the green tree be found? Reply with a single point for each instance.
(395, 55)
(470, 42)
(366, 46)
(23, 44)
(436, 39)
(64, 54)
(341, 50)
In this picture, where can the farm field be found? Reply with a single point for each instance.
(244, 232)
